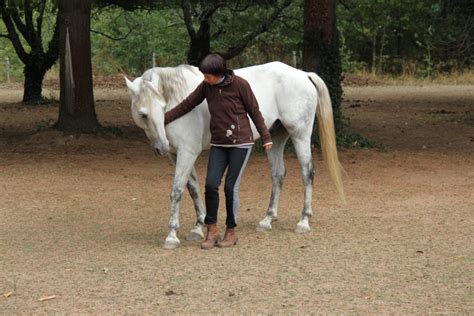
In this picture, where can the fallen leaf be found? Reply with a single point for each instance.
(47, 298)
(170, 292)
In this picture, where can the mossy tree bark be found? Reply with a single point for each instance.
(321, 50)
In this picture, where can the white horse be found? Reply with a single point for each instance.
(288, 99)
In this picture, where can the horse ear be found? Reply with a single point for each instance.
(131, 86)
(152, 87)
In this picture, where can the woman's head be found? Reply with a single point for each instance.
(213, 64)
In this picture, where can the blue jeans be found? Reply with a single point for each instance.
(234, 159)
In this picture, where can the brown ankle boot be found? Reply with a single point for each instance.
(230, 238)
(212, 238)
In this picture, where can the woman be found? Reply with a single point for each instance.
(230, 99)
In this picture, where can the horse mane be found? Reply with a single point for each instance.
(172, 82)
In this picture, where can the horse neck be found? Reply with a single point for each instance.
(176, 83)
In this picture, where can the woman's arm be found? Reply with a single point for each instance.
(251, 106)
(193, 100)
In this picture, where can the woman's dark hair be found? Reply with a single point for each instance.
(213, 64)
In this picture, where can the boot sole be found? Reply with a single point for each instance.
(229, 245)
(216, 244)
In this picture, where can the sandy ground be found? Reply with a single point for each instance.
(83, 218)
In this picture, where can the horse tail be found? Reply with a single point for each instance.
(327, 133)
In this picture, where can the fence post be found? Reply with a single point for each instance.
(294, 58)
(154, 62)
(7, 69)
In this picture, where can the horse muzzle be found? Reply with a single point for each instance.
(160, 148)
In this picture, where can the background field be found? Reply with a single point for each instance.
(83, 218)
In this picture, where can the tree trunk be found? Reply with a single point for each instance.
(34, 75)
(382, 46)
(76, 113)
(200, 44)
(321, 50)
(21, 32)
(374, 53)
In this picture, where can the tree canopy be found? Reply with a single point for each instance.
(419, 38)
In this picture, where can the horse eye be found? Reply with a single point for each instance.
(143, 115)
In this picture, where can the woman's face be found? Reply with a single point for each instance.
(212, 79)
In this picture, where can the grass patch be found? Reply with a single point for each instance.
(110, 130)
(44, 125)
(364, 78)
(355, 140)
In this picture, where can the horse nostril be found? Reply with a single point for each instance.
(159, 148)
(154, 149)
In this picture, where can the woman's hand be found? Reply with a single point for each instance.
(267, 146)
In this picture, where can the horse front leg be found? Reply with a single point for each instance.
(193, 188)
(184, 165)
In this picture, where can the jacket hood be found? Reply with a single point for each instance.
(228, 78)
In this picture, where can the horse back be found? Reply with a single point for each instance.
(284, 93)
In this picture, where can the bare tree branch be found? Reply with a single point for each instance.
(19, 23)
(240, 8)
(237, 49)
(12, 35)
(187, 14)
(52, 53)
(39, 19)
(111, 37)
(290, 27)
(136, 4)
(218, 33)
(29, 19)
(210, 10)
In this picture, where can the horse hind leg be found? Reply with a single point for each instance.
(193, 188)
(303, 151)
(275, 156)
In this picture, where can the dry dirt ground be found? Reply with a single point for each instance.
(83, 218)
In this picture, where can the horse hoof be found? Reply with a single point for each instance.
(264, 226)
(171, 243)
(302, 228)
(195, 235)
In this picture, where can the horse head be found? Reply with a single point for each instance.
(148, 110)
